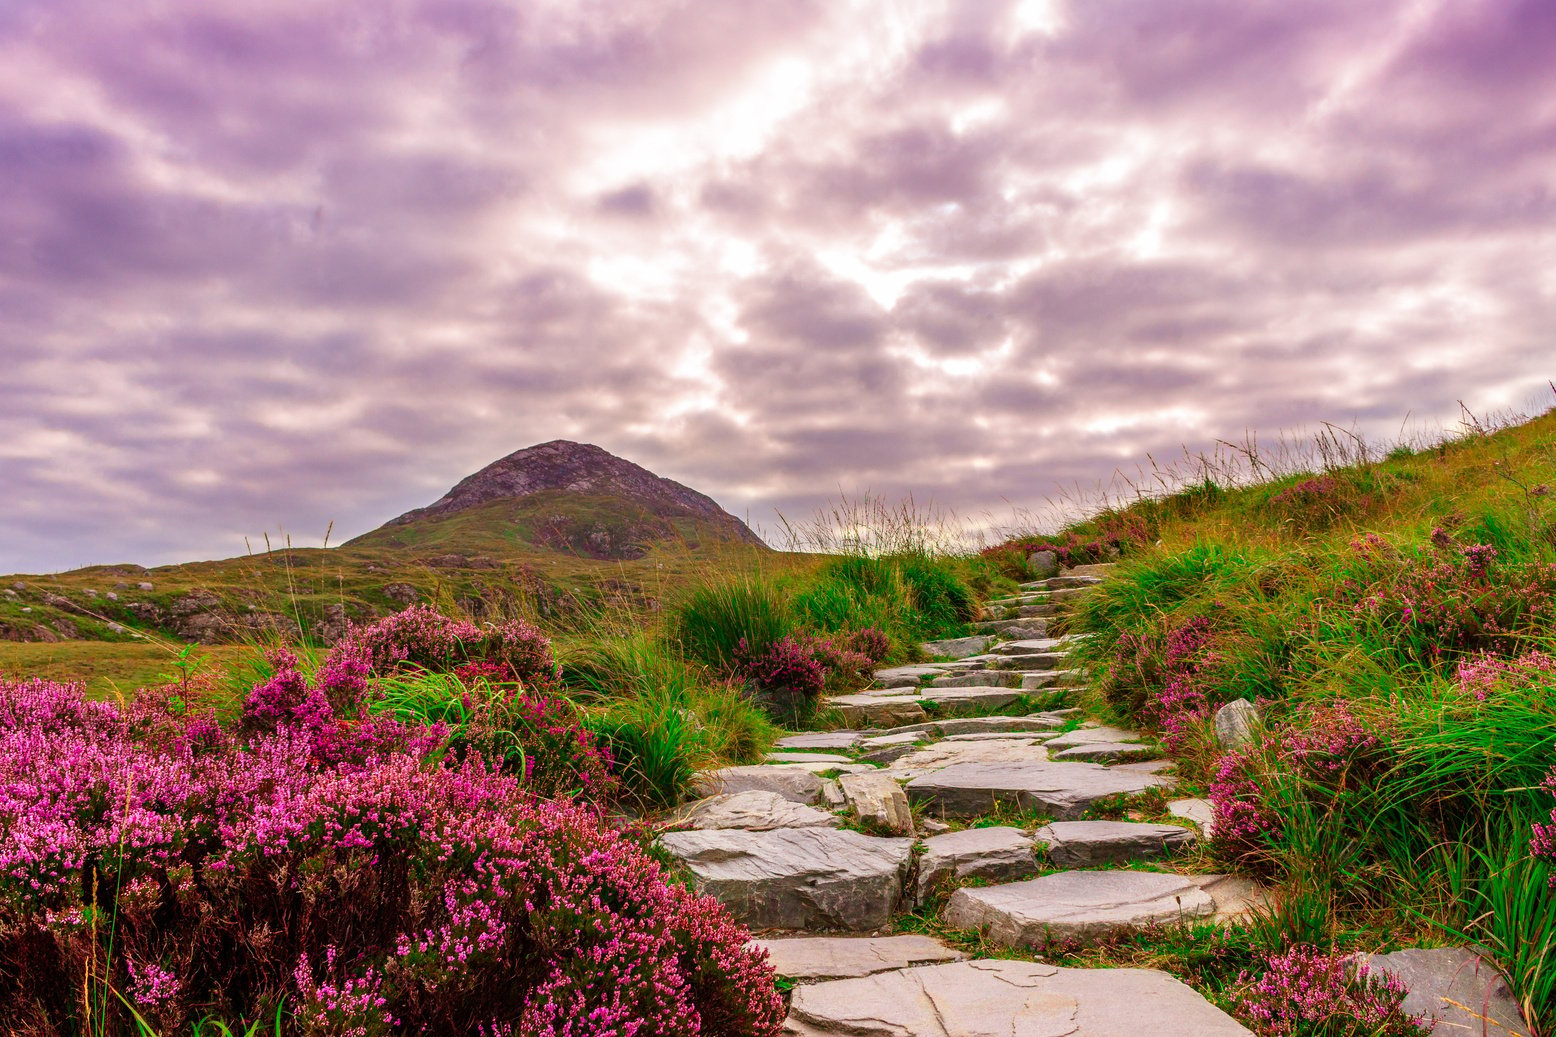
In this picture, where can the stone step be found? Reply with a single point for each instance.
(793, 782)
(1030, 662)
(1102, 569)
(1051, 679)
(1070, 582)
(800, 757)
(1036, 611)
(1013, 627)
(954, 701)
(796, 878)
(810, 959)
(819, 740)
(984, 998)
(1080, 907)
(913, 670)
(1105, 752)
(986, 678)
(956, 647)
(1027, 646)
(878, 710)
(754, 811)
(1086, 844)
(1017, 601)
(1061, 597)
(1063, 790)
(996, 854)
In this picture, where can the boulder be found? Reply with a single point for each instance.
(878, 802)
(1082, 844)
(1079, 906)
(997, 854)
(792, 781)
(1042, 564)
(808, 959)
(1063, 790)
(796, 878)
(1441, 976)
(1235, 723)
(755, 810)
(1006, 999)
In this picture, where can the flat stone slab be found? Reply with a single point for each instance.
(878, 711)
(941, 755)
(828, 758)
(1441, 975)
(1070, 581)
(1064, 790)
(1080, 906)
(956, 647)
(1082, 844)
(974, 725)
(791, 781)
(1105, 752)
(1013, 627)
(1006, 999)
(819, 740)
(755, 810)
(914, 670)
(808, 959)
(952, 700)
(1051, 679)
(796, 878)
(1086, 735)
(915, 737)
(998, 854)
(983, 678)
(1028, 646)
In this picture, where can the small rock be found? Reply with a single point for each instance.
(878, 802)
(811, 958)
(144, 586)
(1235, 723)
(1199, 811)
(997, 854)
(755, 811)
(111, 596)
(929, 826)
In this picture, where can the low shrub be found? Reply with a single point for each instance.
(420, 637)
(379, 888)
(1308, 992)
(713, 620)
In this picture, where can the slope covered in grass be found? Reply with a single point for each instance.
(1394, 619)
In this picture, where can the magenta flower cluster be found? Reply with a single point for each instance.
(1169, 680)
(1309, 992)
(1459, 598)
(1483, 674)
(788, 664)
(421, 637)
(1543, 843)
(377, 884)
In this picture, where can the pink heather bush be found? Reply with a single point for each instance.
(1307, 992)
(1168, 680)
(375, 885)
(1461, 598)
(870, 642)
(1243, 823)
(422, 637)
(1543, 845)
(1482, 675)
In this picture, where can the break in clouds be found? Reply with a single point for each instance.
(265, 266)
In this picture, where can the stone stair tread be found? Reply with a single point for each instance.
(996, 853)
(804, 757)
(1082, 906)
(819, 740)
(809, 959)
(985, 998)
(754, 810)
(1100, 733)
(796, 878)
(1080, 844)
(971, 788)
(1104, 752)
(791, 781)
(956, 647)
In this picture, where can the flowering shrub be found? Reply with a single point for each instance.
(870, 642)
(1168, 680)
(1459, 598)
(786, 677)
(1307, 992)
(377, 888)
(1318, 502)
(1543, 845)
(1485, 674)
(1243, 823)
(422, 637)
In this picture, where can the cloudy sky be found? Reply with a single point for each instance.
(264, 266)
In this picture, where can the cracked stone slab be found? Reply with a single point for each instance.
(1063, 790)
(914, 670)
(1006, 999)
(1052, 679)
(946, 754)
(1197, 810)
(1070, 581)
(1028, 646)
(998, 854)
(809, 959)
(1100, 733)
(1013, 627)
(819, 740)
(796, 878)
(791, 781)
(974, 725)
(1106, 752)
(1080, 906)
(1438, 977)
(755, 810)
(1080, 844)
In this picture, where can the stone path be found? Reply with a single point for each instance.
(977, 738)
